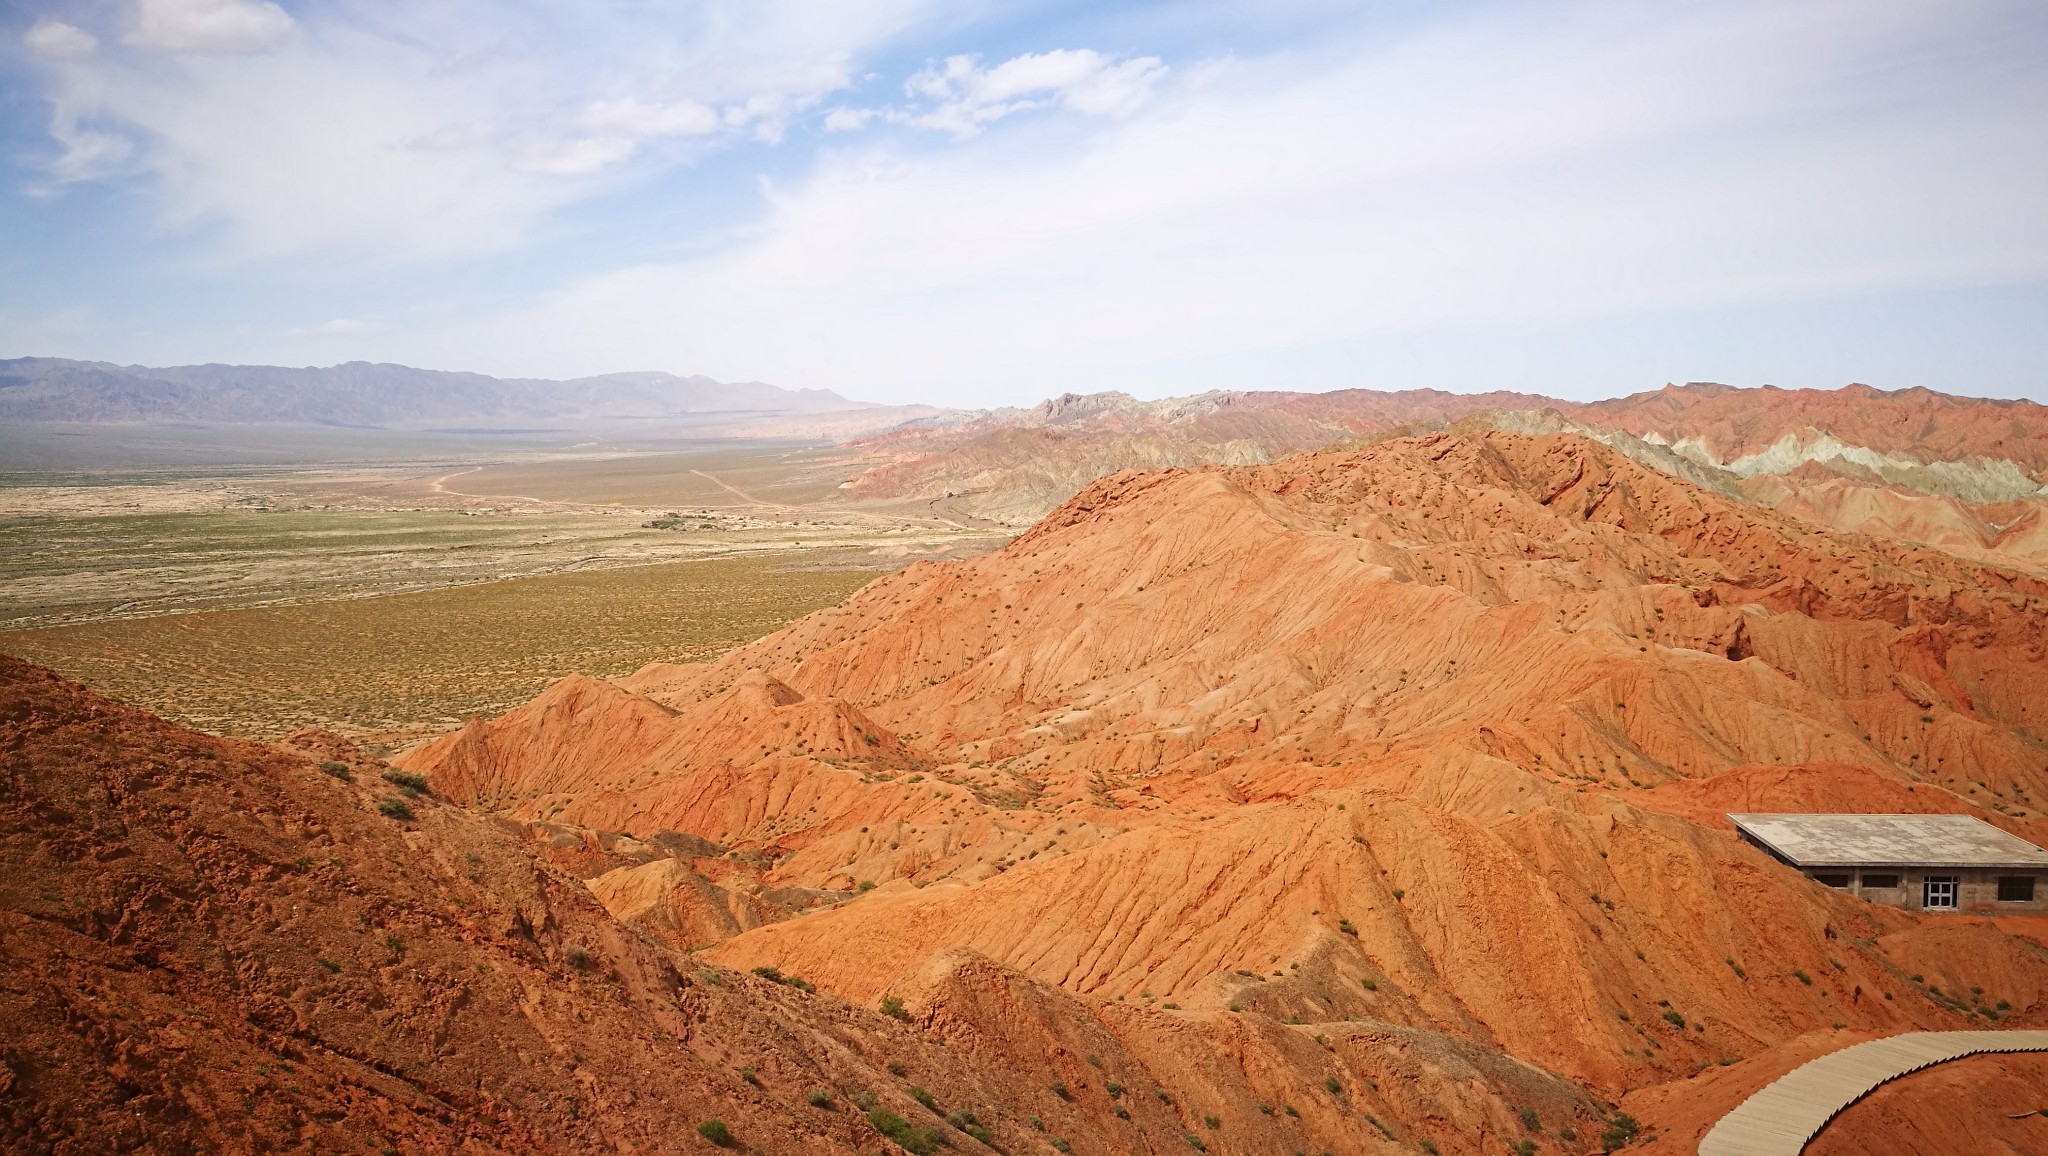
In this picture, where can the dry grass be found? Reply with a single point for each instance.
(416, 663)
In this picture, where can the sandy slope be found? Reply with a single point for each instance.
(1430, 737)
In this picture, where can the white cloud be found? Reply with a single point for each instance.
(209, 26)
(56, 40)
(576, 158)
(435, 130)
(641, 118)
(845, 119)
(1495, 171)
(969, 96)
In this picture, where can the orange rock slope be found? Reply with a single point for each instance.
(209, 946)
(1431, 738)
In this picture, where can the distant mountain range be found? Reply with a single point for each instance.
(366, 395)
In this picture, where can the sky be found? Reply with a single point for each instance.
(979, 204)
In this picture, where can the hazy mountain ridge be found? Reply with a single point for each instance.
(358, 393)
(1964, 474)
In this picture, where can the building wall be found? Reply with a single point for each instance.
(1976, 890)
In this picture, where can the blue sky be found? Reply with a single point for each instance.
(979, 204)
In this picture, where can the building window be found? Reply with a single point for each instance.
(1938, 893)
(2015, 888)
(1838, 882)
(1884, 881)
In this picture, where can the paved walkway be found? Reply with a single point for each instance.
(1780, 1119)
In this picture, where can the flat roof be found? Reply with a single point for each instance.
(1890, 841)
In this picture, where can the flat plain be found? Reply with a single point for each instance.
(391, 599)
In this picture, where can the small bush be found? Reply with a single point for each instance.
(1115, 1090)
(748, 1075)
(819, 1099)
(1529, 1119)
(896, 1068)
(1195, 1142)
(408, 782)
(716, 1132)
(966, 1122)
(329, 964)
(907, 1136)
(892, 1006)
(1369, 984)
(396, 809)
(1621, 1129)
(1344, 925)
(1802, 977)
(1523, 1148)
(922, 1097)
(1331, 1085)
(338, 770)
(866, 885)
(1059, 1088)
(1290, 1110)
(1214, 1122)
(1674, 1019)
(1061, 1146)
(576, 956)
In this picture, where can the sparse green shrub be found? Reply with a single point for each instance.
(576, 956)
(1214, 1122)
(892, 1006)
(1530, 1119)
(818, 1098)
(396, 809)
(716, 1132)
(1523, 1147)
(338, 770)
(329, 964)
(1059, 1088)
(866, 885)
(1115, 1090)
(1674, 1019)
(1059, 1145)
(413, 785)
(1195, 1142)
(907, 1136)
(1369, 984)
(1331, 1085)
(1344, 925)
(966, 1122)
(896, 1068)
(1621, 1129)
(923, 1097)
(1802, 977)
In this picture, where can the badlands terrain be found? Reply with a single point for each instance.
(1365, 800)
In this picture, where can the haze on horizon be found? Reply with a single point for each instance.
(973, 204)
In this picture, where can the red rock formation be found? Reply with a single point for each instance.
(1432, 737)
(213, 946)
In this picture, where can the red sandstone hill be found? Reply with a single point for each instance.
(1922, 466)
(211, 946)
(1427, 738)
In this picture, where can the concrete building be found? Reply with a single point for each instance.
(1919, 862)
